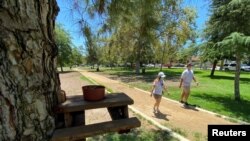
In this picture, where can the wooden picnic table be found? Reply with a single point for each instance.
(117, 105)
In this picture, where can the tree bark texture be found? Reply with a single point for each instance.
(237, 77)
(138, 56)
(213, 68)
(28, 79)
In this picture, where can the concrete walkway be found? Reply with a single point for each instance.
(190, 122)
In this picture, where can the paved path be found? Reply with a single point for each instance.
(191, 122)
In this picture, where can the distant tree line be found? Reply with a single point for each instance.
(68, 54)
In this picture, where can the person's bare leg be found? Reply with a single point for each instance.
(182, 95)
(187, 92)
(158, 103)
(155, 105)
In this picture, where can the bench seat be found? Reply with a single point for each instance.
(81, 132)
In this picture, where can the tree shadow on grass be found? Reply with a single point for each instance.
(94, 70)
(60, 72)
(148, 77)
(129, 75)
(244, 80)
(238, 109)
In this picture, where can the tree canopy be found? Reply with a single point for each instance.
(138, 32)
(63, 42)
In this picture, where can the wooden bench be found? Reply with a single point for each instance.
(81, 132)
(76, 103)
(116, 103)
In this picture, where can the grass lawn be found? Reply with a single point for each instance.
(136, 135)
(214, 93)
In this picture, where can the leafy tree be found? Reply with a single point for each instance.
(229, 21)
(63, 42)
(93, 52)
(239, 44)
(185, 54)
(180, 27)
(135, 28)
(140, 20)
(76, 57)
(111, 53)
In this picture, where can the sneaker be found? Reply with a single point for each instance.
(181, 101)
(158, 111)
(185, 103)
(154, 111)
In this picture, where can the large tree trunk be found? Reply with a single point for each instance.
(164, 50)
(237, 78)
(28, 79)
(162, 57)
(137, 67)
(138, 58)
(213, 68)
(61, 66)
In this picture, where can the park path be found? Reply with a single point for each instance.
(190, 122)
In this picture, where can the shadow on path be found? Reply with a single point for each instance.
(191, 107)
(161, 115)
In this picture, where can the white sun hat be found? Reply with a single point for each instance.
(161, 74)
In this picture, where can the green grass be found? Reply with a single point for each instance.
(180, 131)
(109, 90)
(136, 135)
(214, 93)
(86, 79)
(198, 136)
(91, 82)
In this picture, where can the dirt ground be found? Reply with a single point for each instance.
(189, 122)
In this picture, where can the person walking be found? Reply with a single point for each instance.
(186, 79)
(157, 90)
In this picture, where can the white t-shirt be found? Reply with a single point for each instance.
(159, 85)
(187, 76)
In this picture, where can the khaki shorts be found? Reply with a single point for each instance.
(186, 89)
(157, 96)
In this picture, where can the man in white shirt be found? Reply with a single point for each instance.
(186, 78)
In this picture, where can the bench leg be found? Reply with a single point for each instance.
(120, 112)
(73, 119)
(78, 118)
(67, 119)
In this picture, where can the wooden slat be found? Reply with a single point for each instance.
(81, 132)
(111, 100)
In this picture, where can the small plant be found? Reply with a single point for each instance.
(180, 131)
(232, 120)
(109, 90)
(86, 79)
(197, 136)
(218, 115)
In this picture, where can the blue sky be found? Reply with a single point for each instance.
(67, 18)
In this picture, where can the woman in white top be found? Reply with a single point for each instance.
(157, 91)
